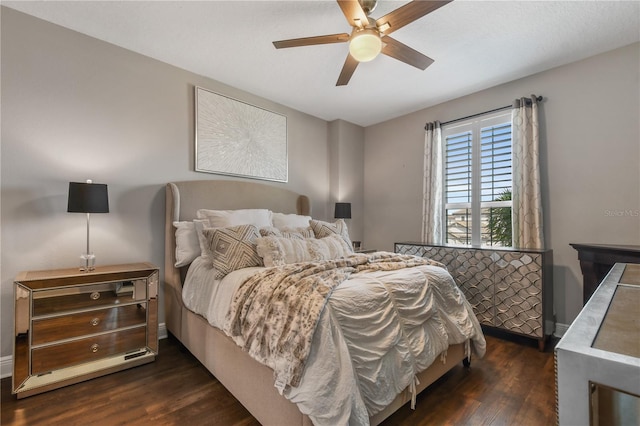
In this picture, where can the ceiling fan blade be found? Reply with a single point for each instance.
(347, 71)
(354, 13)
(402, 52)
(406, 14)
(309, 41)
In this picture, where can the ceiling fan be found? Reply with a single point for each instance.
(370, 37)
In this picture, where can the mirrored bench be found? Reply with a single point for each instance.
(598, 358)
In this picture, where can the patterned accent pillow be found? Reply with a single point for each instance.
(200, 225)
(324, 229)
(232, 248)
(278, 251)
(299, 233)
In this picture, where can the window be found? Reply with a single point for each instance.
(477, 181)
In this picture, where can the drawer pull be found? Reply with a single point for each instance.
(95, 321)
(94, 348)
(95, 295)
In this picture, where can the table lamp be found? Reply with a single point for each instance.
(88, 198)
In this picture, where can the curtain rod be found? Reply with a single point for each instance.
(538, 98)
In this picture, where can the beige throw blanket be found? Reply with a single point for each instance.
(274, 313)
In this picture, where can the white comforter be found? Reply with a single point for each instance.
(362, 354)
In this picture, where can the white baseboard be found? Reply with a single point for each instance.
(560, 329)
(6, 366)
(162, 331)
(6, 362)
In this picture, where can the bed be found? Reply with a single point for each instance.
(250, 381)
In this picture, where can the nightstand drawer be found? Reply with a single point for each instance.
(83, 323)
(58, 301)
(80, 351)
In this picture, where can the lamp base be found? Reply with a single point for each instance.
(88, 262)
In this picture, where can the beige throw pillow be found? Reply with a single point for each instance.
(324, 229)
(278, 251)
(299, 233)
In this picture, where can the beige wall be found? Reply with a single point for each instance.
(346, 177)
(75, 108)
(590, 143)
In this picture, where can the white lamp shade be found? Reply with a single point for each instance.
(365, 45)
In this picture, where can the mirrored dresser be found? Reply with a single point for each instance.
(510, 290)
(72, 326)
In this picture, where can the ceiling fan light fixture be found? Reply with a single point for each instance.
(365, 45)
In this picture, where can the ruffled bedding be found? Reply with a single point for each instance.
(377, 331)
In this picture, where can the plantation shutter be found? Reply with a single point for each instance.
(495, 157)
(477, 181)
(458, 168)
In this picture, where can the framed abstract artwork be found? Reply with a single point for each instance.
(237, 139)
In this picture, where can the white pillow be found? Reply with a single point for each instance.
(226, 218)
(278, 251)
(187, 244)
(282, 220)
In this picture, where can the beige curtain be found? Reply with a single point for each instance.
(527, 200)
(432, 185)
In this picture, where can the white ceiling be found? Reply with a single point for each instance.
(475, 45)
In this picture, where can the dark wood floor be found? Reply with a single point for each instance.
(513, 385)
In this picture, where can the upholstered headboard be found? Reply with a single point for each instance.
(184, 198)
